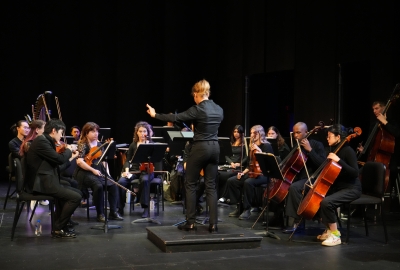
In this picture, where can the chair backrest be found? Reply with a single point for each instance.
(373, 178)
(19, 176)
(11, 168)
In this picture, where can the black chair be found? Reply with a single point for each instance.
(11, 178)
(23, 196)
(373, 178)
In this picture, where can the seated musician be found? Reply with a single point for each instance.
(242, 181)
(346, 187)
(42, 176)
(236, 161)
(141, 136)
(21, 130)
(92, 176)
(75, 132)
(315, 153)
(273, 132)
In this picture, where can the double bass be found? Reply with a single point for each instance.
(325, 176)
(290, 167)
(380, 142)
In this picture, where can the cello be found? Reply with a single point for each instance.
(325, 176)
(290, 167)
(382, 141)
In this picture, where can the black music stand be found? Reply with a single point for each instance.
(105, 226)
(270, 168)
(151, 153)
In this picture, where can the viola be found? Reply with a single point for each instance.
(325, 176)
(95, 152)
(254, 167)
(147, 167)
(290, 167)
(60, 147)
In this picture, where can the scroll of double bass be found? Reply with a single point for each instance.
(380, 142)
(290, 167)
(325, 176)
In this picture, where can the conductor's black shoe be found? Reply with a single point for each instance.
(101, 218)
(187, 227)
(62, 234)
(213, 228)
(115, 216)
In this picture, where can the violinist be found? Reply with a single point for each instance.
(42, 175)
(21, 130)
(92, 176)
(140, 136)
(315, 152)
(236, 162)
(242, 182)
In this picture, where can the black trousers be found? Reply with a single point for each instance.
(336, 196)
(203, 155)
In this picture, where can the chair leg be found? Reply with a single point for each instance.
(51, 204)
(365, 221)
(33, 211)
(87, 207)
(384, 225)
(18, 210)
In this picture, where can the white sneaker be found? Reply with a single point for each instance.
(324, 235)
(332, 240)
(44, 202)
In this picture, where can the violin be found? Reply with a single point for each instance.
(254, 167)
(95, 152)
(60, 147)
(147, 167)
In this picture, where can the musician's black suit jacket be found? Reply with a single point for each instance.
(42, 161)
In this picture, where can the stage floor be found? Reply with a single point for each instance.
(130, 248)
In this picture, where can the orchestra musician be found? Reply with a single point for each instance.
(75, 132)
(315, 153)
(389, 124)
(251, 177)
(92, 176)
(141, 135)
(273, 132)
(204, 155)
(346, 188)
(21, 130)
(42, 174)
(237, 161)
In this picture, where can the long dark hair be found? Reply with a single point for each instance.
(14, 127)
(279, 138)
(240, 130)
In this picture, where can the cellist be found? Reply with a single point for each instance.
(250, 177)
(315, 152)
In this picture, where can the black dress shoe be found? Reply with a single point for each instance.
(213, 228)
(187, 227)
(62, 234)
(101, 218)
(69, 230)
(116, 216)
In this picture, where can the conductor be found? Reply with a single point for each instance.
(204, 155)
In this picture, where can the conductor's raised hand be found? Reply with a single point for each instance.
(151, 111)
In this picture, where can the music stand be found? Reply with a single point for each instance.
(150, 153)
(105, 226)
(270, 168)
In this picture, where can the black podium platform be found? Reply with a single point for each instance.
(170, 239)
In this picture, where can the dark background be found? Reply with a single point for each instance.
(106, 60)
